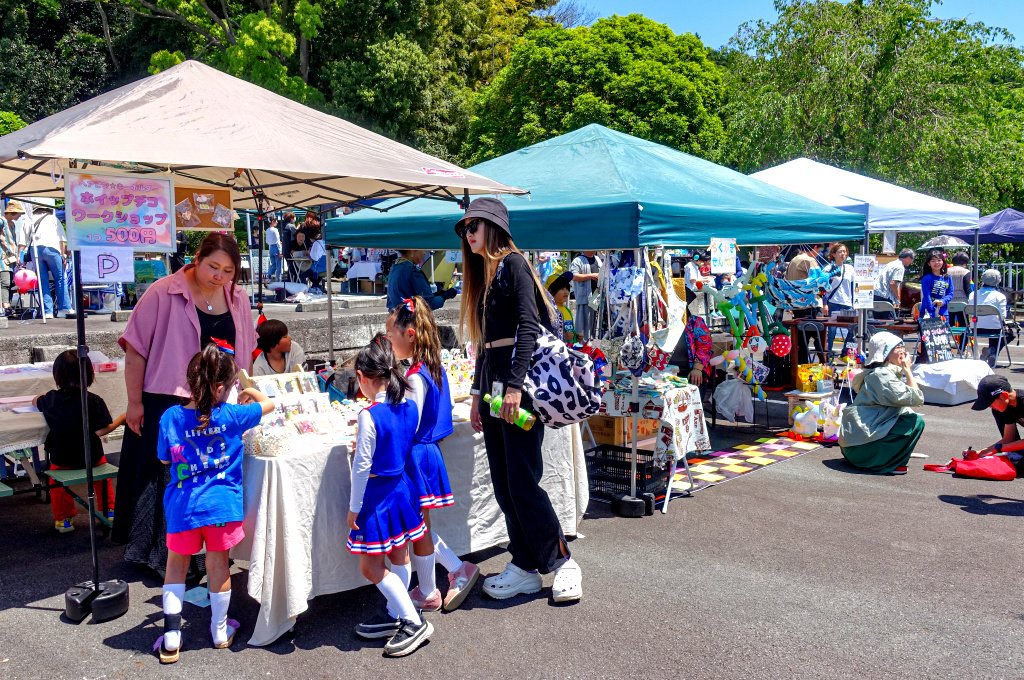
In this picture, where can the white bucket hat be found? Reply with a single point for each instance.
(880, 346)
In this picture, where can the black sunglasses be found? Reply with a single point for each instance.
(469, 228)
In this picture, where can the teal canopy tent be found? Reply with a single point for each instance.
(600, 189)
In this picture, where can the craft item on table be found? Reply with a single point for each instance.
(631, 355)
(806, 419)
(658, 358)
(593, 350)
(831, 414)
(624, 284)
(683, 428)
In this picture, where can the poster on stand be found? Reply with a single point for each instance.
(107, 265)
(723, 256)
(865, 277)
(119, 211)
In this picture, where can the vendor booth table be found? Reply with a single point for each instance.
(296, 505)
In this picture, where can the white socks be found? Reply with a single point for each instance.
(445, 555)
(399, 602)
(425, 571)
(174, 593)
(404, 572)
(219, 616)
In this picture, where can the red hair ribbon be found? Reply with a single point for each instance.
(223, 346)
(409, 304)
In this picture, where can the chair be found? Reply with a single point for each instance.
(813, 330)
(958, 322)
(883, 307)
(998, 334)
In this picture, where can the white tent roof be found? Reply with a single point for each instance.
(887, 206)
(205, 125)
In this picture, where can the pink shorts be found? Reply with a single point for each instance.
(217, 538)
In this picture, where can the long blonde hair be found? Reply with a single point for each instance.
(478, 272)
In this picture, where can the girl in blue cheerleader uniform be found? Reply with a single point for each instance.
(414, 336)
(384, 514)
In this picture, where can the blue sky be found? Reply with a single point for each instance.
(716, 22)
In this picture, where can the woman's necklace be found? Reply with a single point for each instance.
(209, 307)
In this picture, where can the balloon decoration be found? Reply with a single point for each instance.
(25, 280)
(781, 345)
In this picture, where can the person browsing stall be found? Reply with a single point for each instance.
(989, 294)
(502, 307)
(46, 233)
(407, 280)
(278, 352)
(177, 317)
(201, 443)
(839, 299)
(879, 431)
(889, 286)
(558, 286)
(1007, 405)
(274, 245)
(586, 270)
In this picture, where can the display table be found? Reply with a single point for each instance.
(296, 507)
(896, 328)
(364, 270)
(951, 382)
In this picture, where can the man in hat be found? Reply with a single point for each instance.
(8, 253)
(1007, 404)
(586, 269)
(45, 232)
(890, 282)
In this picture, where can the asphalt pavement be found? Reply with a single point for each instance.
(806, 569)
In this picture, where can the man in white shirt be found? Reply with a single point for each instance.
(586, 269)
(274, 244)
(989, 294)
(45, 232)
(890, 281)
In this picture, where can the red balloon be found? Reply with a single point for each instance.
(781, 345)
(25, 280)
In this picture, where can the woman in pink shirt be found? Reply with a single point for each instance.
(179, 315)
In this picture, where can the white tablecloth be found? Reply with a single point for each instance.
(364, 270)
(296, 505)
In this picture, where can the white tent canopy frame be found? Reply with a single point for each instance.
(885, 206)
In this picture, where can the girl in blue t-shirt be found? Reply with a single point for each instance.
(414, 336)
(202, 443)
(384, 512)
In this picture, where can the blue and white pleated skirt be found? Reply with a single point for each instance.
(430, 476)
(390, 516)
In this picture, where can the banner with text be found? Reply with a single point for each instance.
(119, 211)
(723, 256)
(107, 265)
(865, 276)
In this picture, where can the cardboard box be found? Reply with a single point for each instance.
(366, 286)
(618, 430)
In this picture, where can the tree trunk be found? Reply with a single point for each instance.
(304, 58)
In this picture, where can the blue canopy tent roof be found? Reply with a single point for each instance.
(600, 189)
(1005, 226)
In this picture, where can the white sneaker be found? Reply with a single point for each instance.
(62, 314)
(568, 584)
(511, 582)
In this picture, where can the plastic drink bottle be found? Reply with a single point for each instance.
(524, 418)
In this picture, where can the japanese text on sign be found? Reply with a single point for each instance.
(723, 256)
(865, 276)
(119, 211)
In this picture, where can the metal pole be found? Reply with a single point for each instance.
(862, 315)
(974, 274)
(330, 302)
(252, 268)
(83, 383)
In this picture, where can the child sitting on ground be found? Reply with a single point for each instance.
(62, 409)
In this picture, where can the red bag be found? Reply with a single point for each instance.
(996, 468)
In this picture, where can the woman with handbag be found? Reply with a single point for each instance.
(879, 431)
(502, 306)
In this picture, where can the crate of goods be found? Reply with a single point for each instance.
(608, 469)
(618, 431)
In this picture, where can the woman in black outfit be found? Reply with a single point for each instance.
(502, 302)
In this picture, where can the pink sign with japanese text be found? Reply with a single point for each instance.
(122, 211)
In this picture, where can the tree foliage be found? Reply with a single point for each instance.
(884, 88)
(629, 73)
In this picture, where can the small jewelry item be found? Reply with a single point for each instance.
(209, 307)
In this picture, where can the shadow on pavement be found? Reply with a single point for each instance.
(987, 504)
(840, 465)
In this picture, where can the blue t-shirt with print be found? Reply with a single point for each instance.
(206, 464)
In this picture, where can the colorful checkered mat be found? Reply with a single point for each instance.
(720, 466)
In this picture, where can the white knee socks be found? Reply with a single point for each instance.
(174, 593)
(219, 616)
(397, 595)
(404, 572)
(425, 571)
(445, 555)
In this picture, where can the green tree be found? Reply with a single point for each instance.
(629, 73)
(884, 88)
(9, 122)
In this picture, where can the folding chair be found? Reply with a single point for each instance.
(883, 307)
(958, 323)
(998, 334)
(813, 330)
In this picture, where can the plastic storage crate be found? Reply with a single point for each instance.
(608, 469)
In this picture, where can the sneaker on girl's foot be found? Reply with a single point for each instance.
(901, 470)
(380, 625)
(511, 582)
(64, 525)
(408, 639)
(427, 603)
(568, 584)
(460, 583)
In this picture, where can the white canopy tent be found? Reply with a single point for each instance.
(887, 206)
(212, 129)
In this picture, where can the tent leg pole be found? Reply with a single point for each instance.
(974, 312)
(330, 307)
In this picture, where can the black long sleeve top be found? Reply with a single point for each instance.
(509, 311)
